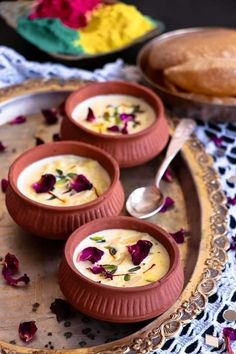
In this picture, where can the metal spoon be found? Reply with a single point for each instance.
(144, 202)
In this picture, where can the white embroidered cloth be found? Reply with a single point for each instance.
(14, 69)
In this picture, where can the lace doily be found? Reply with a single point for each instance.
(14, 68)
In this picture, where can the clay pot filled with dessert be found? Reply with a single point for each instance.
(121, 269)
(125, 119)
(55, 188)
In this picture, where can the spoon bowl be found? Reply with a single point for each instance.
(144, 202)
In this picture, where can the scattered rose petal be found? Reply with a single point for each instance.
(14, 281)
(39, 141)
(56, 137)
(231, 201)
(127, 117)
(169, 202)
(50, 116)
(45, 184)
(217, 140)
(229, 335)
(92, 254)
(90, 116)
(139, 251)
(11, 262)
(2, 147)
(114, 129)
(99, 269)
(62, 309)
(168, 176)
(124, 130)
(179, 235)
(233, 243)
(80, 183)
(11, 267)
(18, 120)
(27, 330)
(230, 332)
(4, 184)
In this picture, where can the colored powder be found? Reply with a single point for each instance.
(112, 27)
(72, 13)
(49, 34)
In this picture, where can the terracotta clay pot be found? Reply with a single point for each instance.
(129, 150)
(116, 304)
(56, 222)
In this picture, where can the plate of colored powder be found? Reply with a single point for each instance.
(80, 29)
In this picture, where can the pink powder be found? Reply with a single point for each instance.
(72, 13)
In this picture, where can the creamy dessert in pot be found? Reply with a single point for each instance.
(114, 114)
(122, 258)
(64, 180)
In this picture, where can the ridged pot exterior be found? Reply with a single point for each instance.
(56, 222)
(114, 304)
(130, 150)
(51, 224)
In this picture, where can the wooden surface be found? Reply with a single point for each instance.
(195, 209)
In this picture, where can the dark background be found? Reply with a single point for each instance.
(174, 13)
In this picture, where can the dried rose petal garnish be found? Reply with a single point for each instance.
(11, 267)
(39, 141)
(217, 140)
(229, 335)
(233, 243)
(99, 269)
(18, 120)
(50, 116)
(169, 202)
(90, 116)
(124, 130)
(139, 251)
(179, 235)
(2, 147)
(231, 201)
(168, 176)
(45, 184)
(92, 254)
(4, 184)
(114, 129)
(27, 330)
(126, 117)
(62, 309)
(56, 137)
(81, 183)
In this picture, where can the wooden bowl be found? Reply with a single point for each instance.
(129, 150)
(56, 222)
(116, 304)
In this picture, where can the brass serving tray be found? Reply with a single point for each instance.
(179, 104)
(200, 207)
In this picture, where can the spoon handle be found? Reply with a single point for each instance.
(181, 134)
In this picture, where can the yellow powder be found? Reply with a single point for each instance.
(112, 27)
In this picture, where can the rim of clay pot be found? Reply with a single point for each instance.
(15, 171)
(106, 88)
(118, 222)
